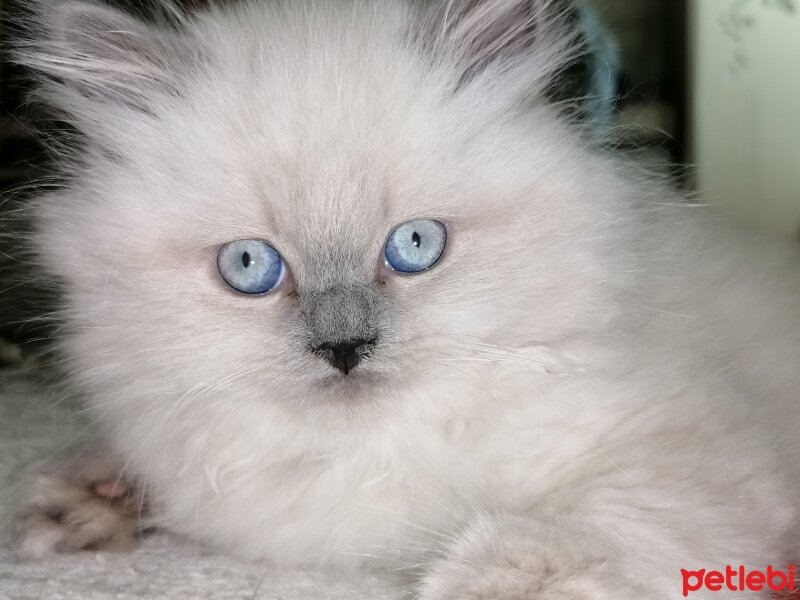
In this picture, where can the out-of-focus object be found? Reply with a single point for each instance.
(605, 65)
(644, 44)
(746, 108)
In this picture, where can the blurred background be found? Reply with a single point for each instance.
(712, 84)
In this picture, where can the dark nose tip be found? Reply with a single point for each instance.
(345, 355)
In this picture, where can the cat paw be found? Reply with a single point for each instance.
(79, 502)
(455, 580)
(513, 561)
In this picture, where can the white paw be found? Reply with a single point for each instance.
(453, 579)
(76, 502)
(529, 580)
(514, 561)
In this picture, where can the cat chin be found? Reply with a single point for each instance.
(354, 387)
(365, 383)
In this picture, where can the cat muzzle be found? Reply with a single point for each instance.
(342, 323)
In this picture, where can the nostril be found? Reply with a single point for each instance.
(345, 355)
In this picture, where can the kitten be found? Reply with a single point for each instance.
(345, 287)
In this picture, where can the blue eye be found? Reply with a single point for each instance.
(415, 246)
(251, 266)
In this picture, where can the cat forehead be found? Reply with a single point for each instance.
(310, 199)
(318, 170)
(315, 185)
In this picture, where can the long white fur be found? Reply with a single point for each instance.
(595, 388)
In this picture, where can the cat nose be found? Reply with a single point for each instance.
(345, 355)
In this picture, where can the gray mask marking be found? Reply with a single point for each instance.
(341, 313)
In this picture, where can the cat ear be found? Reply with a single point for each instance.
(498, 35)
(88, 51)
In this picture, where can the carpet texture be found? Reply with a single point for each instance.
(36, 420)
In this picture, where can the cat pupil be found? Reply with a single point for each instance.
(246, 259)
(415, 239)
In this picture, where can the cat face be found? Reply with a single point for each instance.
(300, 141)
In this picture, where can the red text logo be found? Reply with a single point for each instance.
(739, 580)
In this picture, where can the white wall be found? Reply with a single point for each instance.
(746, 108)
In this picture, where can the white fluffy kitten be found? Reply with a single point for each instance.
(586, 392)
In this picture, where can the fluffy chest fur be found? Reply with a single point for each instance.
(374, 493)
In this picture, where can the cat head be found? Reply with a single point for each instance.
(320, 204)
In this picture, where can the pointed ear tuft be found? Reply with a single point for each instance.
(100, 53)
(498, 35)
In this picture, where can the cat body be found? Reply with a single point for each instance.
(589, 391)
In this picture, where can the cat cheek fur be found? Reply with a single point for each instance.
(501, 419)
